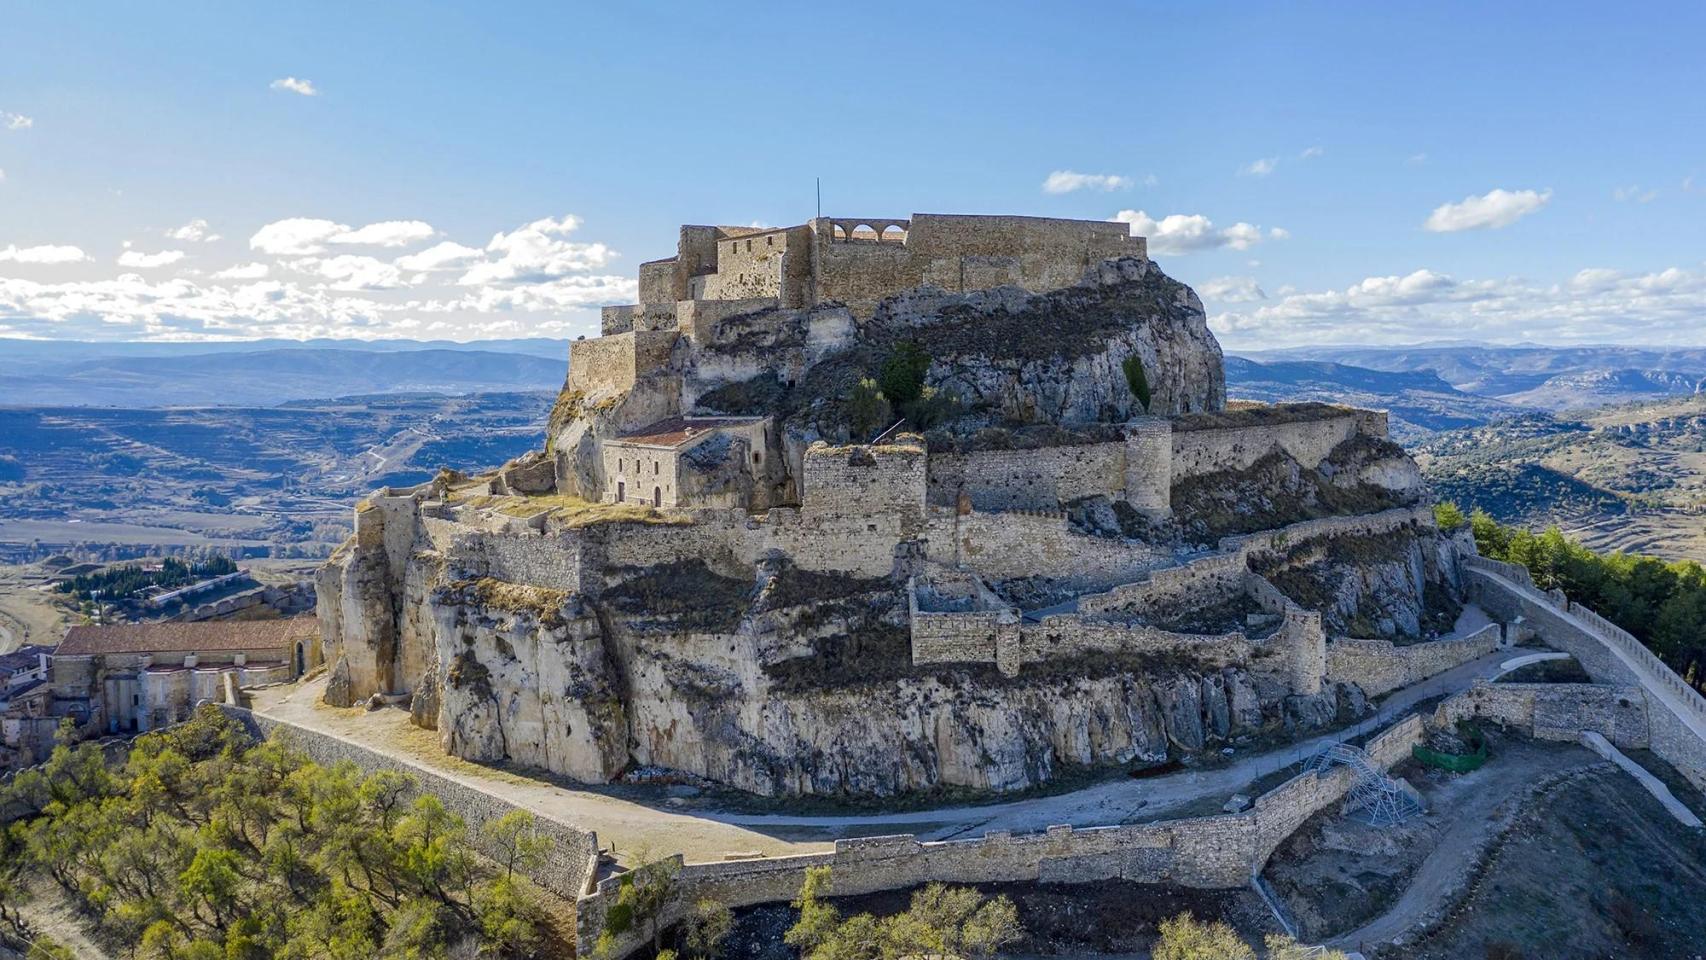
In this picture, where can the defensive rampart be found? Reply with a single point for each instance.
(1202, 449)
(1676, 713)
(1203, 852)
(1379, 666)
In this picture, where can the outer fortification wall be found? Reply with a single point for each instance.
(612, 364)
(1005, 546)
(1204, 852)
(1137, 469)
(1676, 713)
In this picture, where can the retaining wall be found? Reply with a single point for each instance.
(1203, 852)
(1379, 666)
(1554, 711)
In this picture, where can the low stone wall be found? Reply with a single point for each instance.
(1676, 713)
(1005, 546)
(1039, 479)
(1379, 666)
(1554, 711)
(1202, 581)
(568, 870)
(1203, 852)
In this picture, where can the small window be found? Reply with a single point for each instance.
(757, 457)
(770, 241)
(654, 468)
(749, 246)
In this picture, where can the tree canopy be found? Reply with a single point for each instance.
(205, 845)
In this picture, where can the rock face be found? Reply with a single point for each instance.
(762, 634)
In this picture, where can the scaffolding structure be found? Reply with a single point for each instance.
(1385, 800)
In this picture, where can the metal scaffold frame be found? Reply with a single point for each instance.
(1385, 800)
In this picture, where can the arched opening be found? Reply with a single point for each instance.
(893, 233)
(657, 496)
(301, 660)
(840, 232)
(621, 491)
(864, 231)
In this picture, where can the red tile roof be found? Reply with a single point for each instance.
(174, 637)
(677, 431)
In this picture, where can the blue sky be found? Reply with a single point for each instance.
(485, 170)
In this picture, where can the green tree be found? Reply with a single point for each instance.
(1185, 938)
(517, 840)
(902, 374)
(940, 921)
(706, 928)
(867, 409)
(1137, 379)
(1449, 516)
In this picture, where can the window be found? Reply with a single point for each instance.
(654, 468)
(770, 241)
(657, 496)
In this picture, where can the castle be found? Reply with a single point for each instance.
(740, 558)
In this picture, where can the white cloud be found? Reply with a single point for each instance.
(1231, 290)
(1259, 168)
(294, 85)
(1310, 153)
(1634, 193)
(194, 232)
(45, 253)
(387, 233)
(350, 271)
(1595, 305)
(536, 252)
(440, 256)
(1498, 208)
(148, 261)
(1279, 233)
(307, 236)
(16, 121)
(243, 271)
(1066, 181)
(1185, 233)
(534, 280)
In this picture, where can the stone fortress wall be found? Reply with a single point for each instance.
(1555, 711)
(1676, 713)
(1204, 852)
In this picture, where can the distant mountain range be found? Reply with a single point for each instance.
(1550, 378)
(265, 373)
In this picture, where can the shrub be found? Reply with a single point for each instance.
(868, 409)
(1137, 379)
(902, 375)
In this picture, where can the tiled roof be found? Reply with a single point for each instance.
(174, 637)
(679, 431)
(23, 658)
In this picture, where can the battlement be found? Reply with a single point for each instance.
(860, 261)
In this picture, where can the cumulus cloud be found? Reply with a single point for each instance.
(306, 236)
(16, 121)
(1231, 290)
(195, 231)
(1259, 168)
(1496, 209)
(350, 271)
(1186, 233)
(321, 278)
(1595, 305)
(294, 85)
(243, 271)
(1067, 181)
(148, 261)
(448, 255)
(43, 254)
(537, 252)
(1310, 153)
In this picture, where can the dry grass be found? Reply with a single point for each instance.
(543, 602)
(572, 511)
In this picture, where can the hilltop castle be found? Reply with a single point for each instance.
(875, 505)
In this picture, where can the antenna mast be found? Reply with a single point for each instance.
(820, 197)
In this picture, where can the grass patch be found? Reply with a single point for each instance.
(572, 511)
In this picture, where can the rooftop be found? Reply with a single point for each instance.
(679, 431)
(174, 637)
(23, 658)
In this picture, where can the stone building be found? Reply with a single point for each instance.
(26, 726)
(140, 676)
(688, 461)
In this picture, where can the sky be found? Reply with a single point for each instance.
(1321, 173)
